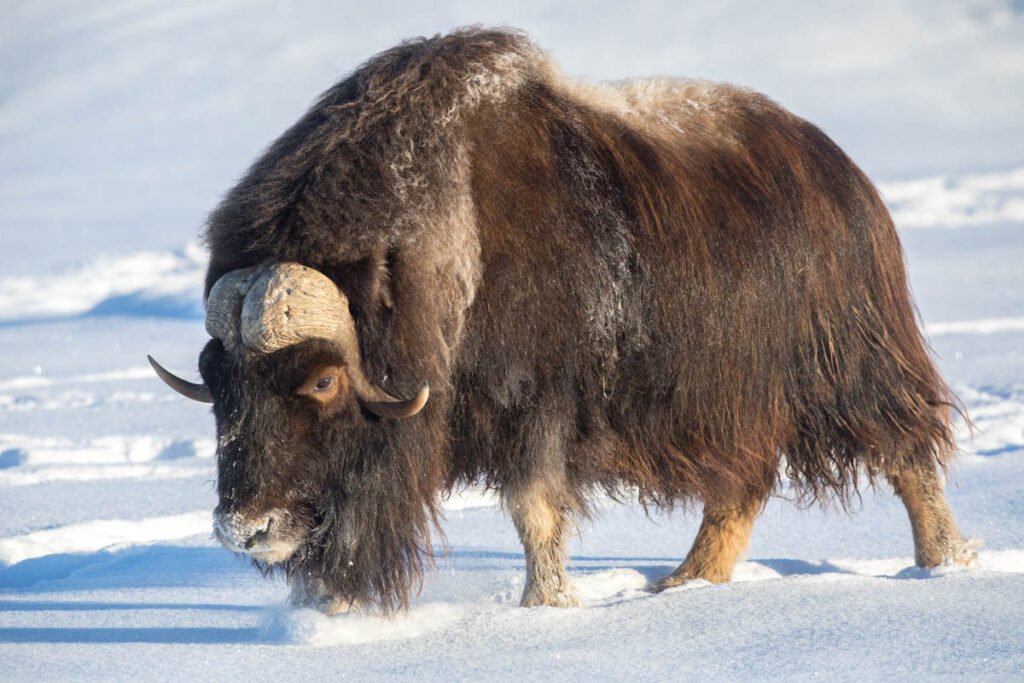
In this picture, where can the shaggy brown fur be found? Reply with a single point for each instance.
(663, 287)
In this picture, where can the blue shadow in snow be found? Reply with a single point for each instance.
(508, 555)
(140, 567)
(1002, 451)
(28, 573)
(786, 567)
(136, 305)
(12, 457)
(485, 559)
(161, 636)
(140, 306)
(95, 606)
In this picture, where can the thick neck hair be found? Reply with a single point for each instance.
(373, 540)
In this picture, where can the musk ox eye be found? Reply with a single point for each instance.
(324, 384)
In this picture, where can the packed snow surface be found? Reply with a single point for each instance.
(122, 122)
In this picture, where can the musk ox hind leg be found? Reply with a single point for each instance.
(723, 536)
(541, 516)
(936, 537)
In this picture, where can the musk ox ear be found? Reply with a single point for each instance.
(367, 282)
(380, 279)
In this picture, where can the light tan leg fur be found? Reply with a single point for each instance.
(936, 538)
(723, 536)
(541, 522)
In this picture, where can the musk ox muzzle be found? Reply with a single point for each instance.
(268, 307)
(271, 537)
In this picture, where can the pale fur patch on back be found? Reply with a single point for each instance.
(664, 106)
(494, 81)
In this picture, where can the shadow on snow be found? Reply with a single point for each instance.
(157, 635)
(133, 305)
(135, 567)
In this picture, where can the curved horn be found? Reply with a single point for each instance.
(397, 409)
(224, 304)
(288, 303)
(196, 392)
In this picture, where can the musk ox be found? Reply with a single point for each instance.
(460, 266)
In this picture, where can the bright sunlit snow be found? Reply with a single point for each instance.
(121, 123)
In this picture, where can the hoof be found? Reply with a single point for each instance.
(565, 597)
(960, 552)
(671, 581)
(964, 552)
(681, 576)
(311, 594)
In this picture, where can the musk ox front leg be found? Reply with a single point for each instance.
(936, 537)
(309, 591)
(723, 536)
(540, 514)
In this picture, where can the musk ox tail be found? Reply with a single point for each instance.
(866, 395)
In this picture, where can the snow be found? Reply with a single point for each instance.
(101, 534)
(979, 199)
(976, 326)
(121, 124)
(147, 283)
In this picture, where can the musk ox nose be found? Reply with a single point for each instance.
(241, 532)
(262, 536)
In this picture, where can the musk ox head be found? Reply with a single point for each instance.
(298, 426)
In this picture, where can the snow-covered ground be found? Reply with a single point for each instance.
(122, 122)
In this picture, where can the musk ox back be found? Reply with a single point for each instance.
(670, 289)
